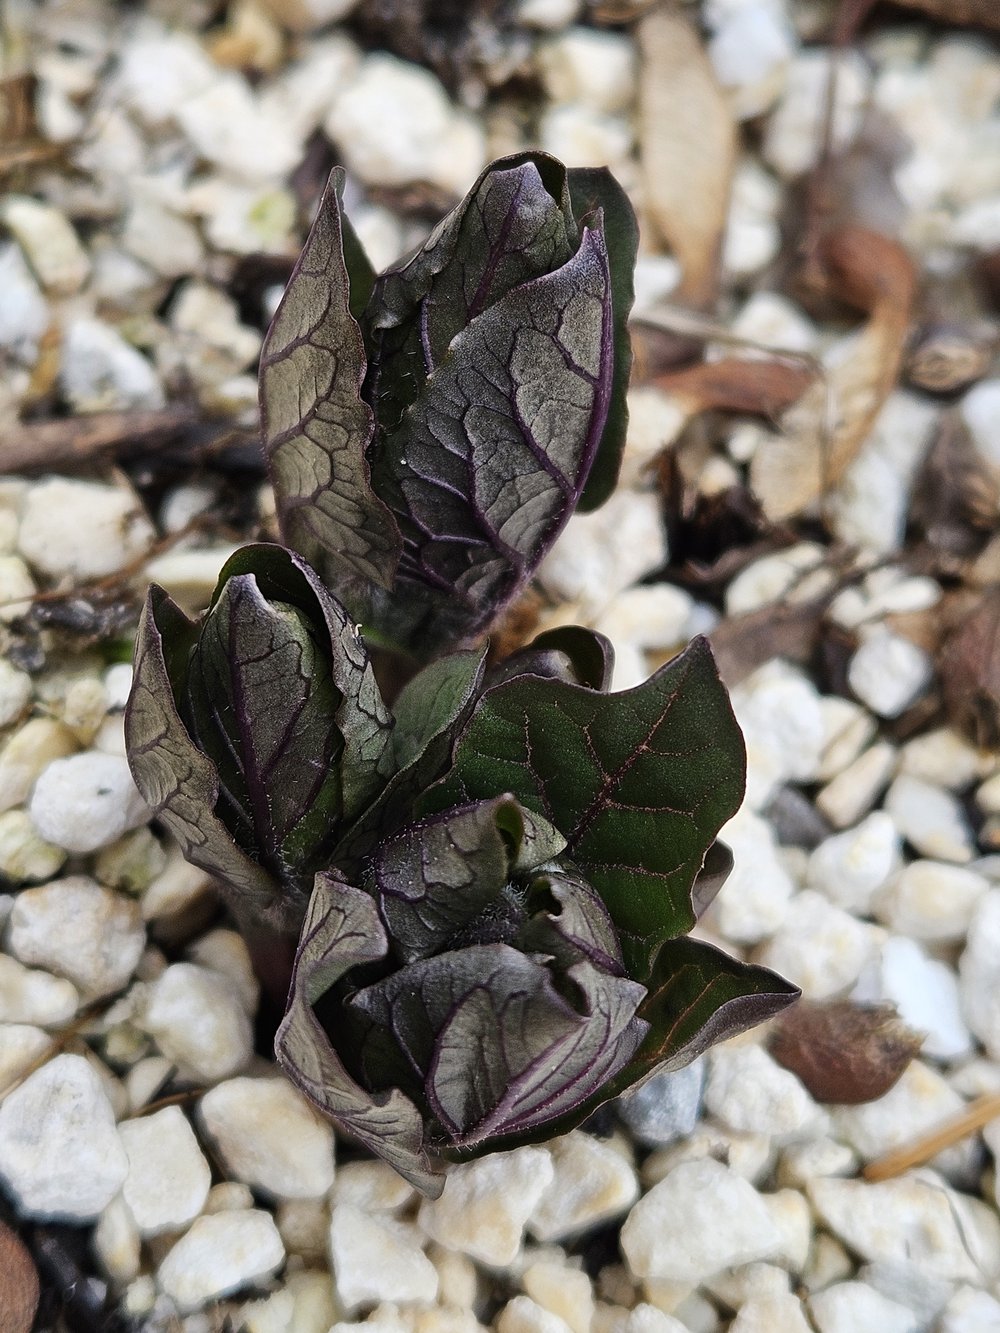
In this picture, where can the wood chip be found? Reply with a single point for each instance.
(19, 1289)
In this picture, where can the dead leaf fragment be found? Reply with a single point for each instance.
(977, 13)
(843, 1052)
(822, 434)
(969, 666)
(956, 497)
(688, 139)
(743, 643)
(738, 384)
(18, 1284)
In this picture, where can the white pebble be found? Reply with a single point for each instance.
(227, 126)
(931, 900)
(750, 53)
(158, 72)
(852, 866)
(701, 1218)
(849, 796)
(778, 710)
(50, 244)
(925, 992)
(563, 1291)
(395, 124)
(190, 577)
(78, 930)
(769, 578)
(117, 1243)
(943, 758)
(593, 1182)
(750, 1092)
(548, 15)
(269, 1137)
(196, 1020)
(654, 616)
(590, 66)
(583, 137)
(225, 952)
(81, 530)
(820, 947)
(754, 900)
(20, 1045)
(24, 315)
(793, 138)
(60, 1153)
(86, 801)
(929, 818)
(854, 1307)
(888, 672)
(155, 235)
(598, 555)
(980, 410)
(168, 1177)
(221, 1253)
(970, 1311)
(30, 996)
(378, 1258)
(979, 973)
(914, 1219)
(848, 729)
(101, 372)
(17, 588)
(371, 1185)
(485, 1204)
(25, 858)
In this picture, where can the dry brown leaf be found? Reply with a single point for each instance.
(743, 643)
(822, 433)
(843, 1052)
(738, 384)
(955, 496)
(969, 666)
(18, 1284)
(688, 145)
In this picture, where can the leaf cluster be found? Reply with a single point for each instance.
(492, 873)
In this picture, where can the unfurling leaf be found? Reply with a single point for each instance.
(430, 437)
(844, 1052)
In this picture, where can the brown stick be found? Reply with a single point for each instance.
(977, 1114)
(46, 444)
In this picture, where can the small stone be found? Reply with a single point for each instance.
(178, 888)
(25, 858)
(227, 126)
(20, 1045)
(30, 996)
(394, 124)
(168, 1177)
(980, 410)
(801, 1162)
(599, 555)
(548, 15)
(154, 234)
(852, 866)
(888, 672)
(701, 1218)
(101, 372)
(225, 952)
(146, 1079)
(24, 316)
(372, 1186)
(523, 1315)
(117, 1243)
(221, 1253)
(485, 1204)
(914, 1219)
(159, 71)
(768, 579)
(589, 66)
(653, 616)
(929, 818)
(665, 1107)
(931, 900)
(17, 588)
(750, 53)
(592, 1183)
(583, 137)
(15, 692)
(377, 1258)
(78, 930)
(848, 728)
(60, 1154)
(979, 973)
(918, 1103)
(50, 244)
(778, 1313)
(563, 1291)
(925, 993)
(197, 1021)
(86, 801)
(751, 1093)
(85, 707)
(754, 900)
(970, 1311)
(190, 577)
(794, 131)
(855, 789)
(269, 1137)
(778, 710)
(131, 863)
(79, 530)
(924, 1294)
(820, 947)
(751, 1156)
(228, 1196)
(304, 1225)
(854, 1307)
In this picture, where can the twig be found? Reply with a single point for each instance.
(977, 1114)
(84, 438)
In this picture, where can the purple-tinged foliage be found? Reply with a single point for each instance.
(459, 407)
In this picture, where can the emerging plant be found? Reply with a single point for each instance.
(494, 871)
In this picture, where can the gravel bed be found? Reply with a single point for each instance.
(145, 233)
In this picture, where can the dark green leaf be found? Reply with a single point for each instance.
(593, 188)
(638, 782)
(342, 930)
(316, 425)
